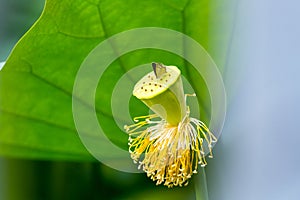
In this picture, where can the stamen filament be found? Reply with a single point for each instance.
(171, 154)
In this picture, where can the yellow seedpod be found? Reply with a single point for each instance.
(162, 91)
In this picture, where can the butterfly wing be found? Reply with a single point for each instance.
(159, 69)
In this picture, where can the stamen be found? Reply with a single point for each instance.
(170, 154)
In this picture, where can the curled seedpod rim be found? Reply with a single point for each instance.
(150, 86)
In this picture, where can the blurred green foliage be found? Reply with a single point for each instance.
(30, 180)
(42, 67)
(36, 84)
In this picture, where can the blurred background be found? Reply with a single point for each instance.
(256, 156)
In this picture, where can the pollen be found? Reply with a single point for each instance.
(170, 155)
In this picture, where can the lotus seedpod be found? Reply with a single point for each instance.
(162, 91)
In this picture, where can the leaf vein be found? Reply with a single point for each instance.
(37, 119)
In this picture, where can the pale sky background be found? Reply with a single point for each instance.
(257, 156)
(1, 65)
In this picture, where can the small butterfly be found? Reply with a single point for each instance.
(159, 69)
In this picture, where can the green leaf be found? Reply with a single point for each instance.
(37, 80)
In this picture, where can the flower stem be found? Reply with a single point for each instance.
(201, 191)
